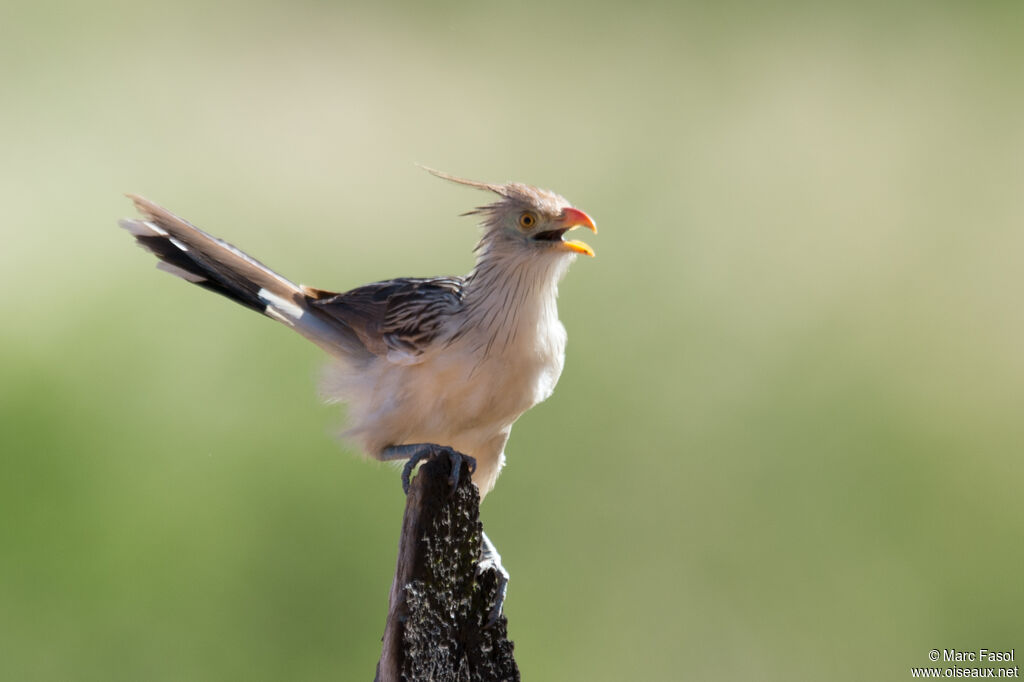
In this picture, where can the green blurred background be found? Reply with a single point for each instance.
(788, 441)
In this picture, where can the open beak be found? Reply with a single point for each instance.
(572, 218)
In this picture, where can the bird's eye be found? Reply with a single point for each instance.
(527, 220)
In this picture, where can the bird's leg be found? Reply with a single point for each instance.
(490, 558)
(416, 452)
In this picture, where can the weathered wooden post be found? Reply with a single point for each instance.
(440, 603)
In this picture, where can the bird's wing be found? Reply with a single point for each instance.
(397, 319)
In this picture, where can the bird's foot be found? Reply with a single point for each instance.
(417, 452)
(490, 559)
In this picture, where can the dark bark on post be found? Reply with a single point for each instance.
(439, 603)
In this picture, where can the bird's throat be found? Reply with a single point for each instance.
(507, 299)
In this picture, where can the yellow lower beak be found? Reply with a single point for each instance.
(577, 246)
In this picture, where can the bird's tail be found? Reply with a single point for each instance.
(195, 256)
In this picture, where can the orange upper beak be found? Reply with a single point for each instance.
(571, 218)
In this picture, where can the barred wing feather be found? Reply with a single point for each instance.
(399, 318)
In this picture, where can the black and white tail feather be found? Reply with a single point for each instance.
(193, 255)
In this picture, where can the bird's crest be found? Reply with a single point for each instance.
(514, 191)
(497, 189)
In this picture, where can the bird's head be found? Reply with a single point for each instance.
(527, 220)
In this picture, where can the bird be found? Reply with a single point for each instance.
(435, 366)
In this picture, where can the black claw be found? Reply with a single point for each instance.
(407, 470)
(428, 451)
(453, 478)
(457, 460)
